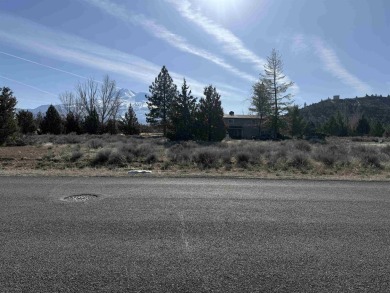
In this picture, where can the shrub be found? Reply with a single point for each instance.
(243, 159)
(371, 160)
(299, 160)
(303, 146)
(151, 158)
(101, 157)
(205, 158)
(76, 154)
(116, 158)
(95, 143)
(179, 153)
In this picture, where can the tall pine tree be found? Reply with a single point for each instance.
(182, 115)
(276, 85)
(162, 92)
(210, 126)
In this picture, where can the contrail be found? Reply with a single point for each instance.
(43, 65)
(25, 84)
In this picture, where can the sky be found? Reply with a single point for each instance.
(328, 47)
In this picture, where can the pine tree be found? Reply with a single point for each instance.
(260, 102)
(26, 122)
(210, 126)
(72, 123)
(273, 79)
(297, 124)
(91, 122)
(7, 114)
(52, 122)
(363, 126)
(377, 129)
(162, 93)
(182, 115)
(129, 124)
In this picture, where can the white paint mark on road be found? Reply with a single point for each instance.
(183, 231)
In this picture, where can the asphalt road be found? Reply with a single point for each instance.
(193, 235)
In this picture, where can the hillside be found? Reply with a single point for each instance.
(374, 108)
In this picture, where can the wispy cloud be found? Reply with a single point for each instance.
(161, 32)
(334, 66)
(231, 44)
(35, 38)
(299, 44)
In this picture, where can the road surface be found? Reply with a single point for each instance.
(145, 234)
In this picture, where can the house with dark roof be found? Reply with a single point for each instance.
(242, 126)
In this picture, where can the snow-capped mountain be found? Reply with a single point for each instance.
(137, 101)
(127, 97)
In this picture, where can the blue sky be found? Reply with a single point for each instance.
(328, 47)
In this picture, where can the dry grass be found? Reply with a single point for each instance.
(336, 157)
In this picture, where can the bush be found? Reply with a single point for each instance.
(303, 146)
(243, 159)
(371, 160)
(76, 155)
(151, 158)
(101, 157)
(179, 153)
(299, 160)
(116, 158)
(205, 158)
(95, 143)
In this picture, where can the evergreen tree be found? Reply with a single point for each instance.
(7, 114)
(363, 127)
(26, 122)
(129, 124)
(297, 124)
(182, 115)
(336, 126)
(260, 102)
(72, 123)
(210, 126)
(91, 122)
(52, 122)
(274, 80)
(111, 126)
(162, 93)
(377, 129)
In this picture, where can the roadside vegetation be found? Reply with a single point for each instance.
(289, 158)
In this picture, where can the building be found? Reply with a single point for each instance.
(242, 126)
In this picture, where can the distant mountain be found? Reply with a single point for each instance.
(137, 100)
(374, 108)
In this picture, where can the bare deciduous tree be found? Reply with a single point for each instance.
(87, 93)
(70, 103)
(108, 102)
(103, 99)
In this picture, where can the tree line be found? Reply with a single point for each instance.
(93, 108)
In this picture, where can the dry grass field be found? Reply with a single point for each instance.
(114, 155)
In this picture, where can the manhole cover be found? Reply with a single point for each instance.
(81, 197)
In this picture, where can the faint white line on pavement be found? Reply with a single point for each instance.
(183, 230)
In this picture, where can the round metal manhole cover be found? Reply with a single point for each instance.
(81, 197)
